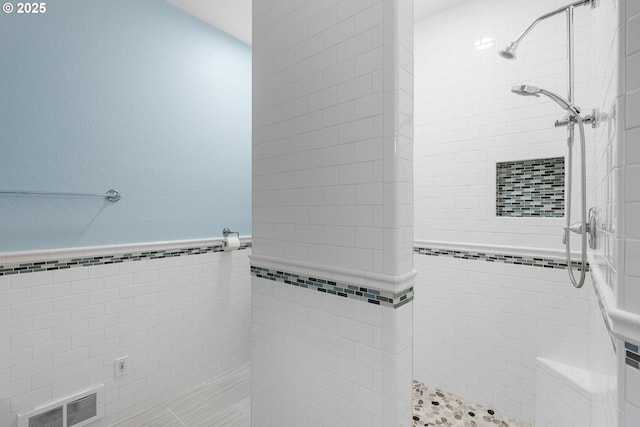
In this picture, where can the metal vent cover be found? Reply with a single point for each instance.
(82, 409)
(76, 410)
(50, 418)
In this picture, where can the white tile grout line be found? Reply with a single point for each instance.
(177, 417)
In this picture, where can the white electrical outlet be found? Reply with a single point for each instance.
(122, 366)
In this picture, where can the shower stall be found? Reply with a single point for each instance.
(496, 319)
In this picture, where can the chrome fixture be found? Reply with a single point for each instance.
(111, 195)
(509, 52)
(573, 116)
(528, 90)
(226, 232)
(593, 226)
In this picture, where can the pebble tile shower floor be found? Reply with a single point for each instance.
(435, 407)
(224, 402)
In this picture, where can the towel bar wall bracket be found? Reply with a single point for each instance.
(226, 232)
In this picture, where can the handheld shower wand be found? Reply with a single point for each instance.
(528, 90)
(583, 227)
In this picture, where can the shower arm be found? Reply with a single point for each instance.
(549, 15)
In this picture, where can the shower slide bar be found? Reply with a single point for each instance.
(111, 195)
(585, 229)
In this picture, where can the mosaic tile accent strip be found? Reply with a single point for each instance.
(632, 355)
(502, 258)
(530, 188)
(435, 407)
(341, 289)
(66, 263)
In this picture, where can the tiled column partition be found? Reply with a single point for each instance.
(332, 268)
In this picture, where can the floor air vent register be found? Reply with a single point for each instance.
(75, 410)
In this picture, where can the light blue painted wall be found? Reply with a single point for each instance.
(133, 95)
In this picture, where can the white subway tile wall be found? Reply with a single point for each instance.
(479, 327)
(632, 160)
(333, 133)
(318, 97)
(631, 183)
(333, 361)
(608, 139)
(608, 158)
(181, 321)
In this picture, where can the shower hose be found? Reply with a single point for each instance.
(583, 215)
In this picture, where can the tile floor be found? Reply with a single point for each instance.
(434, 407)
(225, 402)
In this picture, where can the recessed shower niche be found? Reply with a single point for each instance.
(530, 188)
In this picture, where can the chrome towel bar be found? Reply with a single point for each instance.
(111, 195)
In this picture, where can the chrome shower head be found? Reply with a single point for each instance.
(528, 90)
(509, 52)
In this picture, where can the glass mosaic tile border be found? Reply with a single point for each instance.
(632, 355)
(66, 263)
(530, 188)
(341, 289)
(530, 261)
